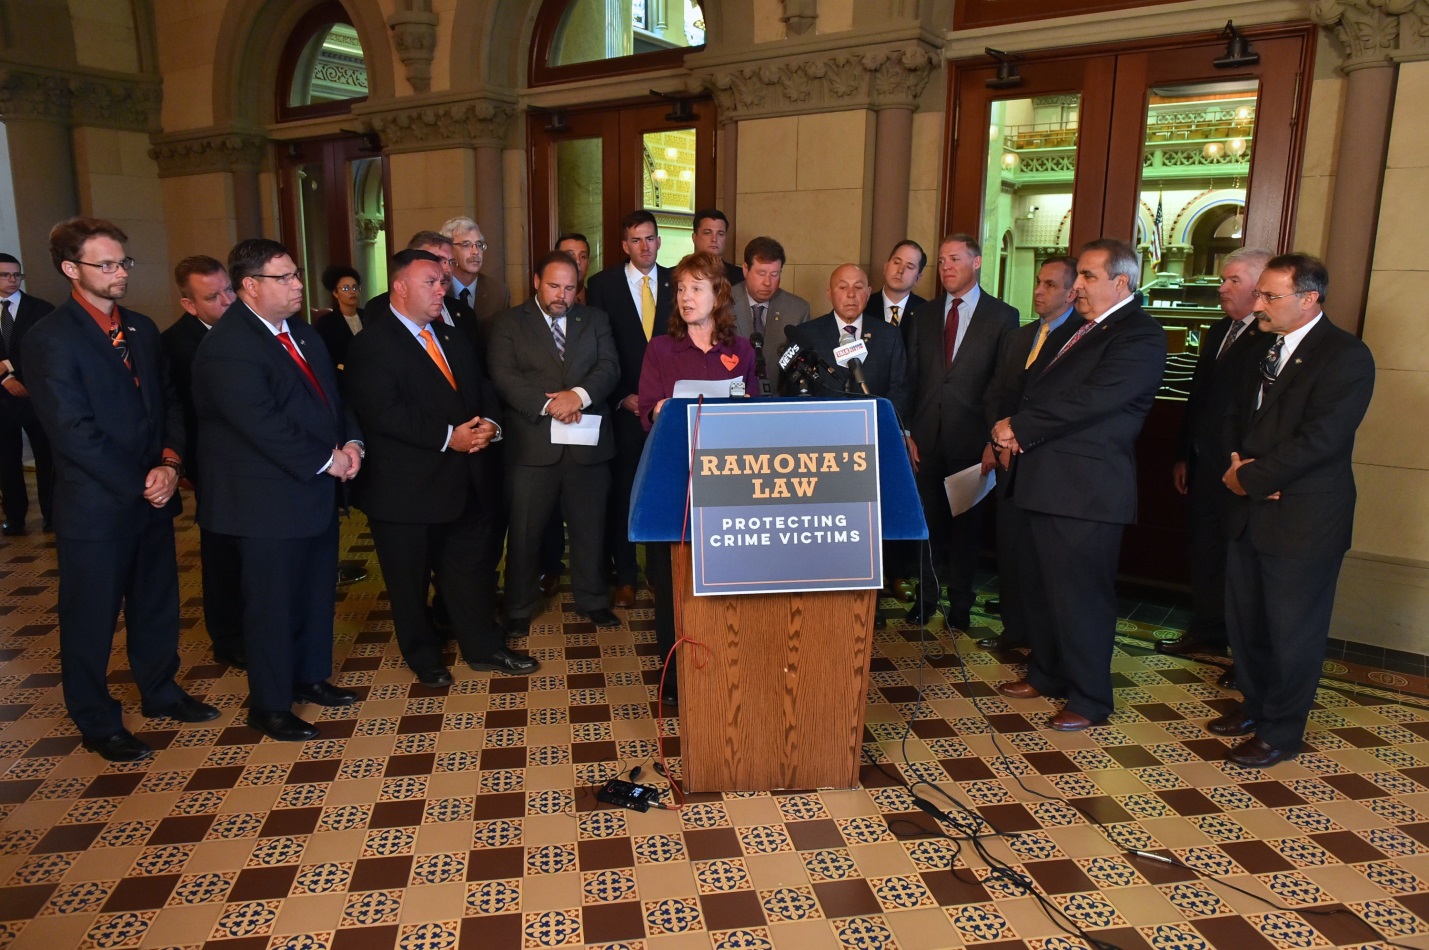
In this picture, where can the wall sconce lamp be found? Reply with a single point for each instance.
(556, 120)
(1007, 75)
(1238, 53)
(682, 108)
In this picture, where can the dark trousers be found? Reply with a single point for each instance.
(17, 415)
(553, 544)
(1075, 577)
(288, 599)
(956, 542)
(1208, 553)
(629, 443)
(662, 585)
(1013, 562)
(1278, 612)
(222, 572)
(96, 577)
(460, 552)
(533, 491)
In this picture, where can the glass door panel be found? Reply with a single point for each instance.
(580, 185)
(668, 158)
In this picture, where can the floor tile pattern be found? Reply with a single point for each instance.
(467, 818)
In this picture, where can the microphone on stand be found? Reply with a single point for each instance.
(852, 355)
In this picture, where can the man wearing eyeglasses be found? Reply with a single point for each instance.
(274, 431)
(483, 295)
(100, 385)
(1290, 434)
(18, 313)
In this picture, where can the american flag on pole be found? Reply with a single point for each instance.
(1156, 235)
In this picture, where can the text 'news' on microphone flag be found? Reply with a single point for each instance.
(785, 497)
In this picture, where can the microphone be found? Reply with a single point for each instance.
(852, 355)
(756, 340)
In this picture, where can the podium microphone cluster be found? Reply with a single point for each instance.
(851, 356)
(802, 367)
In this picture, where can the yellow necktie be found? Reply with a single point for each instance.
(1037, 347)
(893, 312)
(437, 356)
(647, 308)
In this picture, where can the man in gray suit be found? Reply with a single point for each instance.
(762, 311)
(954, 342)
(553, 361)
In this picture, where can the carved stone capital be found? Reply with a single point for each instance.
(187, 154)
(416, 127)
(29, 95)
(111, 102)
(1375, 32)
(870, 79)
(414, 37)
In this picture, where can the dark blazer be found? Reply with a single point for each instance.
(336, 334)
(1079, 417)
(885, 370)
(525, 366)
(874, 310)
(27, 314)
(404, 405)
(610, 292)
(1211, 385)
(181, 342)
(106, 433)
(1004, 394)
(949, 408)
(1301, 438)
(734, 273)
(264, 432)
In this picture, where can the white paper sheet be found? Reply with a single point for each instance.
(584, 432)
(709, 388)
(968, 487)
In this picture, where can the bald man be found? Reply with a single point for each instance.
(882, 361)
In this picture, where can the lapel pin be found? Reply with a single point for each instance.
(1298, 361)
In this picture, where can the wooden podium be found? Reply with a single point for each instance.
(772, 692)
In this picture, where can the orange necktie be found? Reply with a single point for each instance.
(436, 354)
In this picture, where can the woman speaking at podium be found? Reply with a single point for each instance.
(699, 344)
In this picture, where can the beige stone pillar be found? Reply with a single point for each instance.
(728, 151)
(892, 161)
(489, 212)
(36, 112)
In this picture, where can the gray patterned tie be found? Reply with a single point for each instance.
(558, 332)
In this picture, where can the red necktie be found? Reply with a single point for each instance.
(950, 332)
(287, 342)
(1082, 331)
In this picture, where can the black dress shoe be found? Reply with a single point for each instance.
(48, 525)
(237, 659)
(324, 694)
(1003, 642)
(186, 709)
(603, 617)
(920, 615)
(992, 605)
(119, 747)
(282, 726)
(670, 698)
(435, 678)
(1227, 679)
(505, 661)
(1256, 754)
(1232, 724)
(1189, 643)
(12, 529)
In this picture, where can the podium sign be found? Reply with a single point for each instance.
(785, 497)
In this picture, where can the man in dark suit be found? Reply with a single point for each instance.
(18, 313)
(954, 340)
(638, 297)
(273, 431)
(763, 311)
(1198, 469)
(483, 295)
(553, 364)
(896, 301)
(206, 293)
(709, 236)
(884, 364)
(1026, 352)
(577, 245)
(1290, 434)
(1074, 478)
(431, 486)
(101, 387)
(454, 312)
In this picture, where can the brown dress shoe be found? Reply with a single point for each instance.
(1253, 753)
(1071, 722)
(1019, 689)
(1227, 679)
(549, 583)
(625, 595)
(1232, 724)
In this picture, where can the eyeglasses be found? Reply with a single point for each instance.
(1261, 295)
(468, 245)
(109, 267)
(11, 276)
(284, 279)
(348, 288)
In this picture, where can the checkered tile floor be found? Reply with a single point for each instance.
(467, 818)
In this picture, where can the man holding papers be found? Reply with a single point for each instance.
(553, 361)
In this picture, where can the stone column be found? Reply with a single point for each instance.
(892, 161)
(1371, 39)
(490, 207)
(211, 185)
(36, 112)
(728, 151)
